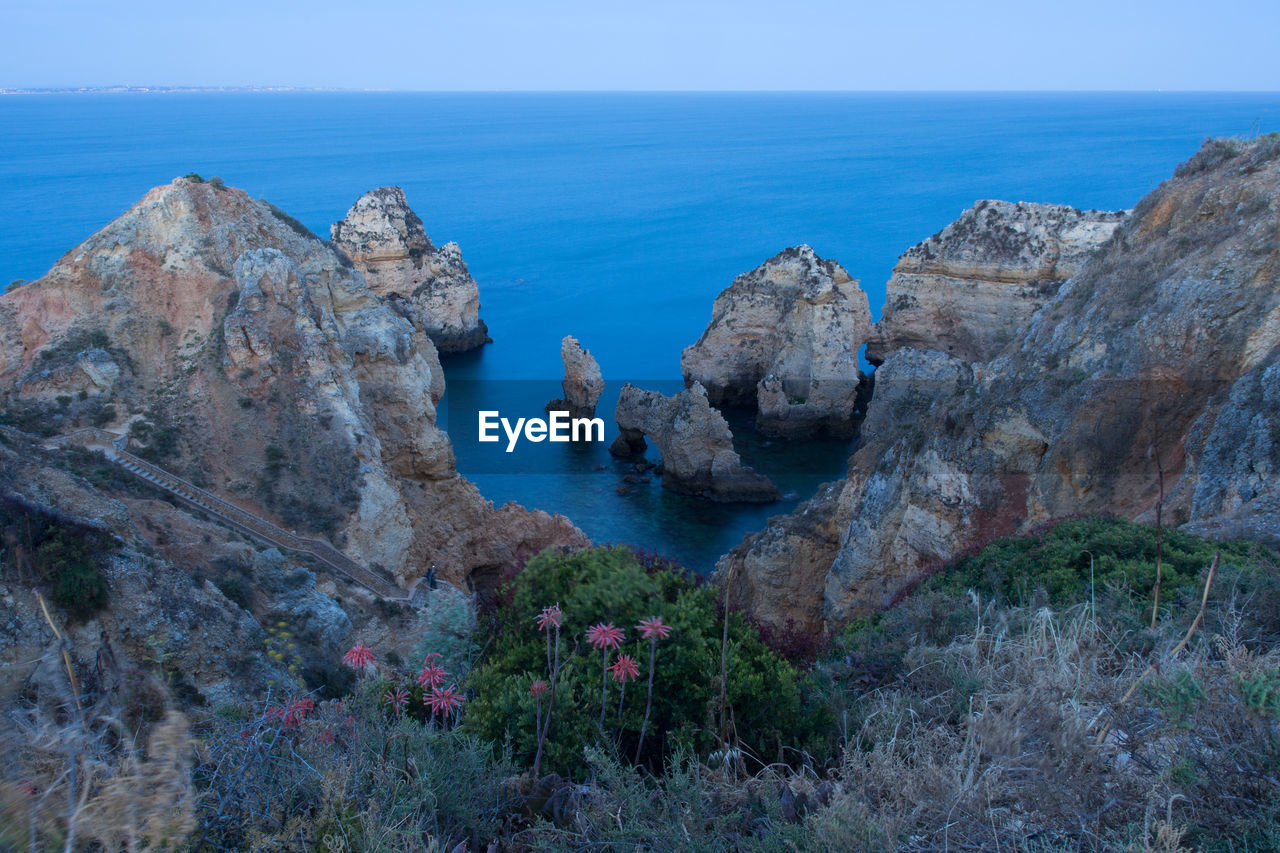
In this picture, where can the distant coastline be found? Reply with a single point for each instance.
(165, 90)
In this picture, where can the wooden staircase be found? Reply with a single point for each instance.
(113, 448)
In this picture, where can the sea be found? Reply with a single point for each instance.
(613, 217)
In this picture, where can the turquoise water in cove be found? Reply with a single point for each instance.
(613, 217)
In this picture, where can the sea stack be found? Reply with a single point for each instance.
(431, 287)
(582, 383)
(695, 442)
(785, 339)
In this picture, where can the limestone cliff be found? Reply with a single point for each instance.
(247, 355)
(969, 289)
(1160, 355)
(431, 287)
(695, 442)
(785, 338)
(582, 384)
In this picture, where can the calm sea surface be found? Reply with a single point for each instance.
(613, 217)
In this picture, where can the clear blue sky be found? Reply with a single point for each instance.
(645, 44)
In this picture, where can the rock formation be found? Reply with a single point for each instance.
(785, 338)
(582, 383)
(431, 287)
(695, 442)
(250, 357)
(1160, 355)
(971, 287)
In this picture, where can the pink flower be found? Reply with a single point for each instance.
(327, 736)
(624, 668)
(397, 699)
(538, 689)
(654, 629)
(359, 657)
(550, 616)
(292, 712)
(445, 701)
(602, 636)
(432, 675)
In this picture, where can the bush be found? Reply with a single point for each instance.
(1102, 552)
(65, 556)
(767, 697)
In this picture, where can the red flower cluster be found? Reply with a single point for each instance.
(397, 698)
(445, 701)
(292, 712)
(654, 629)
(549, 617)
(624, 669)
(538, 689)
(359, 657)
(602, 636)
(432, 675)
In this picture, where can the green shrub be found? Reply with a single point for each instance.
(65, 556)
(1118, 554)
(767, 697)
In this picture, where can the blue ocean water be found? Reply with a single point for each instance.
(613, 217)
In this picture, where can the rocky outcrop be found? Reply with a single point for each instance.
(582, 383)
(429, 286)
(969, 289)
(695, 442)
(785, 339)
(1159, 355)
(251, 358)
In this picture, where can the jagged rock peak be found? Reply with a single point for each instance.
(969, 288)
(582, 384)
(695, 442)
(785, 338)
(431, 287)
(381, 226)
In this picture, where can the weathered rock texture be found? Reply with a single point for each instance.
(695, 442)
(1163, 352)
(971, 288)
(582, 383)
(429, 286)
(785, 338)
(250, 357)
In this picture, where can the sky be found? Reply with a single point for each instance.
(648, 45)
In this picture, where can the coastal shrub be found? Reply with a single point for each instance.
(769, 702)
(1081, 554)
(217, 183)
(194, 178)
(65, 557)
(990, 709)
(294, 225)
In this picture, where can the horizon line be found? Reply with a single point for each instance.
(162, 89)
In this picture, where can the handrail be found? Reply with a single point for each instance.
(113, 446)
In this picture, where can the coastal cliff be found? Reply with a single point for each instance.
(969, 289)
(785, 338)
(429, 286)
(1144, 383)
(243, 353)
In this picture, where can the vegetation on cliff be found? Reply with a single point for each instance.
(1014, 700)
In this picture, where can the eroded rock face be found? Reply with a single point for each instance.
(431, 287)
(971, 288)
(253, 358)
(582, 383)
(785, 338)
(1162, 352)
(695, 442)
